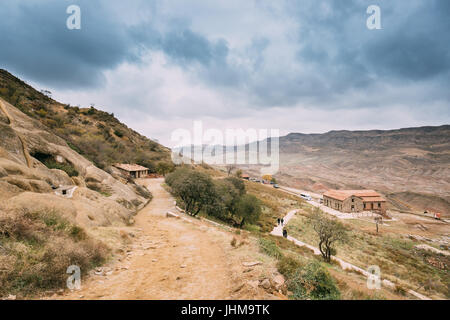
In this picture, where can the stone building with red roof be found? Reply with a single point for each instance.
(355, 200)
(133, 170)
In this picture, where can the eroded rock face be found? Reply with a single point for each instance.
(28, 184)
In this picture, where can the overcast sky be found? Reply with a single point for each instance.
(298, 66)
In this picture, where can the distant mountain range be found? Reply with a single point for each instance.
(411, 166)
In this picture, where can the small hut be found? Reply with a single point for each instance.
(133, 170)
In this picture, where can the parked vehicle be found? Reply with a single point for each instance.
(276, 186)
(305, 196)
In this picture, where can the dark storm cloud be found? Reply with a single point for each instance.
(37, 44)
(186, 47)
(413, 44)
(333, 52)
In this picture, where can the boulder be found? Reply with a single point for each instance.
(3, 172)
(170, 214)
(40, 186)
(265, 284)
(21, 183)
(251, 264)
(278, 281)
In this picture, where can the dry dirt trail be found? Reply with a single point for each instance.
(169, 258)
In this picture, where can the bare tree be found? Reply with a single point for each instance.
(329, 230)
(230, 168)
(378, 220)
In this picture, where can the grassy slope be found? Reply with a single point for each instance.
(276, 204)
(397, 258)
(95, 134)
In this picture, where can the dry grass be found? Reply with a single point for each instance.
(36, 248)
(276, 204)
(397, 258)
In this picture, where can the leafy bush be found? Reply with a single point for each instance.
(51, 163)
(118, 133)
(270, 248)
(313, 282)
(164, 167)
(288, 266)
(66, 167)
(237, 183)
(195, 189)
(42, 113)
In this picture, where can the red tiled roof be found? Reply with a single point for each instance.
(366, 195)
(130, 167)
(244, 175)
(373, 199)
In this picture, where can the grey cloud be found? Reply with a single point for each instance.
(186, 46)
(37, 44)
(334, 55)
(413, 44)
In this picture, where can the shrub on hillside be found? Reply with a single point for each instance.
(270, 248)
(164, 168)
(237, 183)
(288, 266)
(37, 247)
(313, 282)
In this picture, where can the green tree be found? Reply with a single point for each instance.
(164, 167)
(225, 204)
(329, 231)
(195, 189)
(238, 184)
(248, 209)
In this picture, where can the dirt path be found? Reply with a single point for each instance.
(170, 259)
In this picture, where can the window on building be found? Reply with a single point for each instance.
(353, 200)
(379, 205)
(364, 205)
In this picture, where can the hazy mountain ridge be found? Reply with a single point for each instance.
(411, 166)
(406, 163)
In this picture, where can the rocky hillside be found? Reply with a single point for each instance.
(33, 162)
(411, 166)
(95, 134)
(53, 204)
